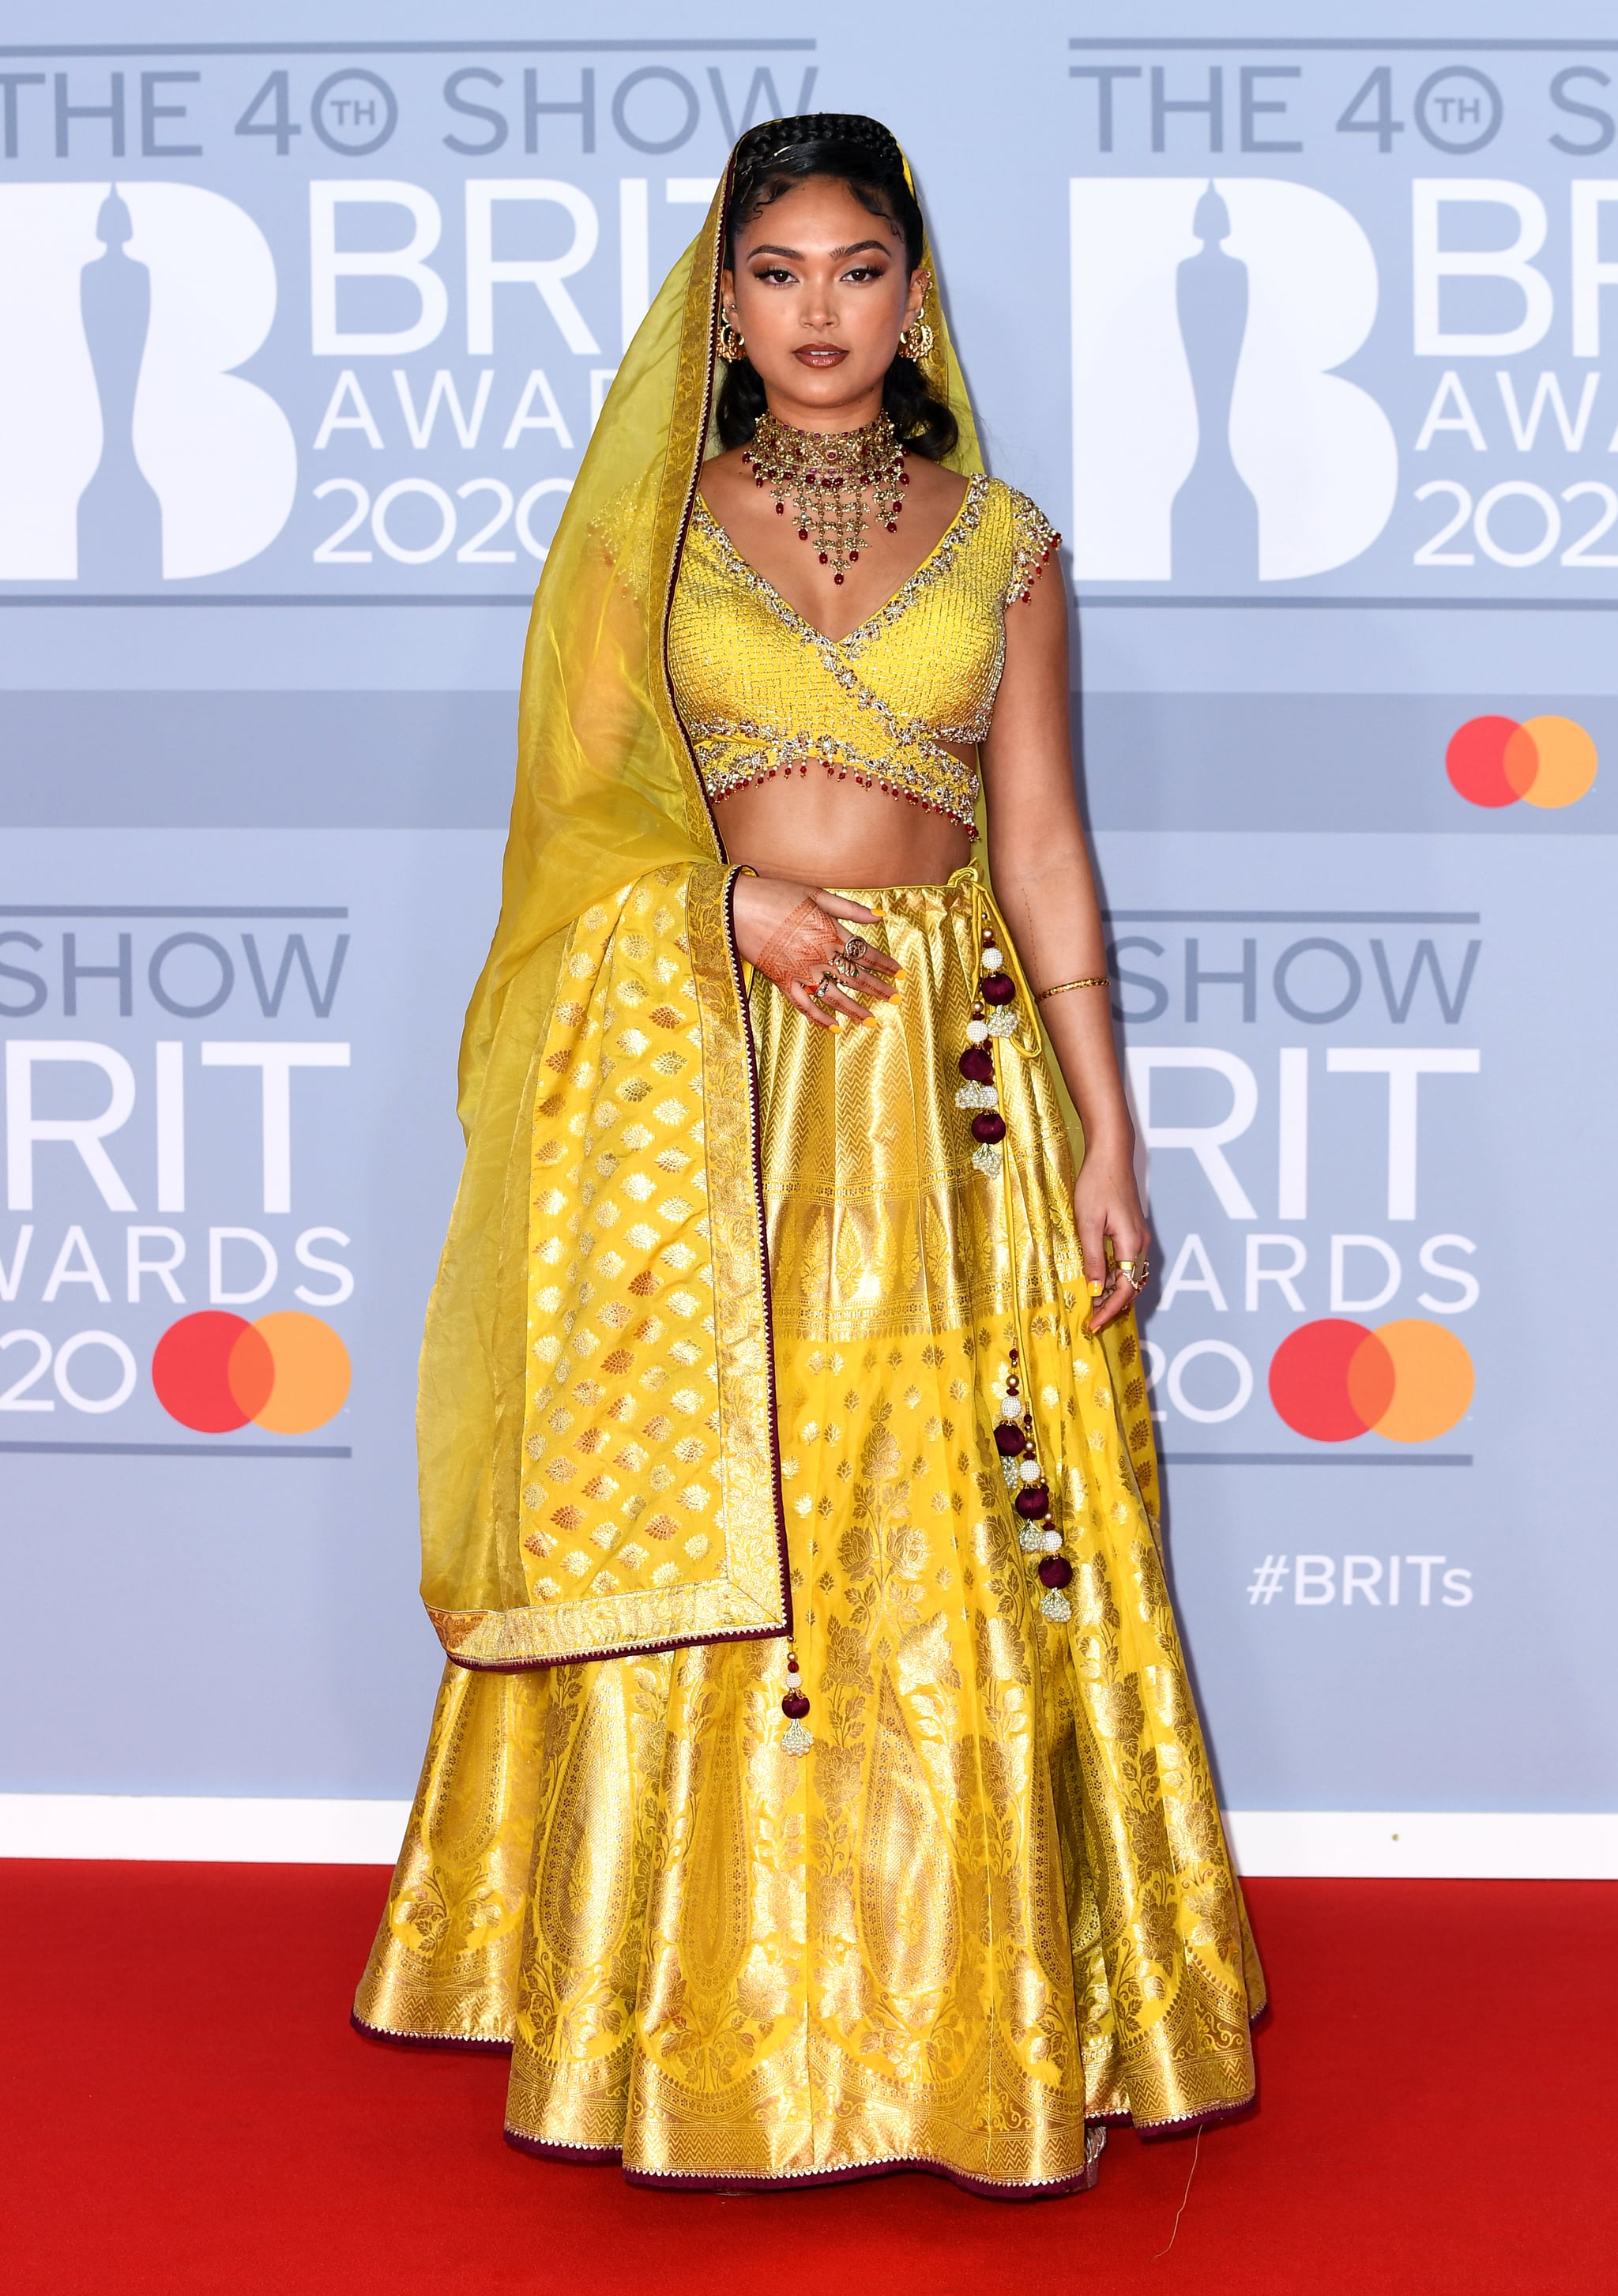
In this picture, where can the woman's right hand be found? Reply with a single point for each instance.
(796, 935)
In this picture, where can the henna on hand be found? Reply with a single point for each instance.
(801, 946)
(812, 953)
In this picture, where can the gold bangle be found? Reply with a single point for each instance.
(1093, 980)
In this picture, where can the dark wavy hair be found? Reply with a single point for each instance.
(860, 153)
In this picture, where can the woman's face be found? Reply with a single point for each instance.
(821, 293)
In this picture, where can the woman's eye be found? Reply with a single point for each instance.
(865, 271)
(773, 277)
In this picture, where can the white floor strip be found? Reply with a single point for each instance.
(241, 1829)
(1460, 1845)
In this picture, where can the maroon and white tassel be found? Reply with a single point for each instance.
(1014, 1432)
(795, 1739)
(997, 990)
(1015, 1440)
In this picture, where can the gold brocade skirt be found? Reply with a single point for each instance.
(992, 1906)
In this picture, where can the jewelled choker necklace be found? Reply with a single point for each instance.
(826, 474)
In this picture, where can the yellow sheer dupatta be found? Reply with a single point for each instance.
(597, 1415)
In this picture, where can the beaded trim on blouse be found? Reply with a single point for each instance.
(724, 768)
(905, 757)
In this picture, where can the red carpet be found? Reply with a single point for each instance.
(185, 2108)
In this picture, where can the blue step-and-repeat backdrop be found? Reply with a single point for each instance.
(1308, 341)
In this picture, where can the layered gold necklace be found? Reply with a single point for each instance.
(826, 474)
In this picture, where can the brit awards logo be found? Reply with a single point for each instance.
(1214, 445)
(130, 450)
(167, 1245)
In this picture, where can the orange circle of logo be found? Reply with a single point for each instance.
(1564, 766)
(1406, 1381)
(1432, 1383)
(312, 1372)
(1549, 761)
(288, 1372)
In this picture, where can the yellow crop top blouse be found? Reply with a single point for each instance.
(762, 692)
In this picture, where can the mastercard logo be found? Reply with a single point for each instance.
(1544, 761)
(1333, 1380)
(287, 1373)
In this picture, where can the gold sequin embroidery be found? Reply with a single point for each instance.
(762, 693)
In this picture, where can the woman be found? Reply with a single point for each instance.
(815, 1788)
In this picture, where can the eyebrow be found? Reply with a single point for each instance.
(795, 254)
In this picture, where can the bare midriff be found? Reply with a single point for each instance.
(814, 831)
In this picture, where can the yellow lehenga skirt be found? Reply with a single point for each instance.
(991, 1908)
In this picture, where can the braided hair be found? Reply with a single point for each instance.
(776, 157)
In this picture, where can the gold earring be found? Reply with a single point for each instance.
(732, 346)
(916, 341)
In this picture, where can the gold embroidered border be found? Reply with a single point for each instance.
(580, 2104)
(941, 782)
(1033, 540)
(1033, 2133)
(1190, 2088)
(600, 1628)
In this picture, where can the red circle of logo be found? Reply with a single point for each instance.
(1477, 762)
(1324, 1376)
(213, 1372)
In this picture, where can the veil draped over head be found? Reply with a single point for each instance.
(605, 782)
(610, 823)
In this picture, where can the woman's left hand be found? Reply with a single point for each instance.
(1106, 1207)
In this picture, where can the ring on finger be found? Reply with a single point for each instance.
(853, 949)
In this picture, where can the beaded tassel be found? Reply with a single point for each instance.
(795, 1739)
(996, 989)
(1015, 1440)
(1014, 1435)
